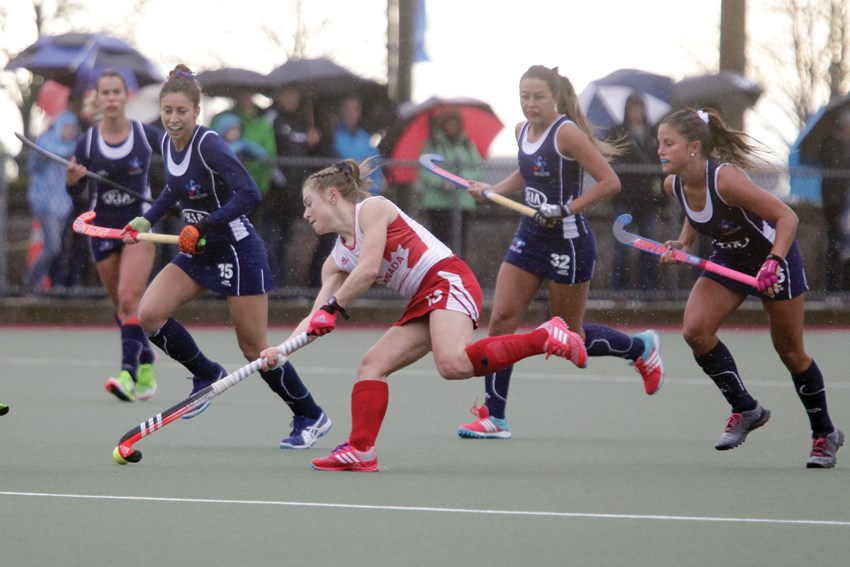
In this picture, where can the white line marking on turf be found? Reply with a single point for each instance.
(438, 510)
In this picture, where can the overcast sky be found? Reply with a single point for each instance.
(477, 48)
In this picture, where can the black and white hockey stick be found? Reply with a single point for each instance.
(125, 453)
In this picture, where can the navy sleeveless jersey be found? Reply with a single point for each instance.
(127, 164)
(565, 253)
(741, 239)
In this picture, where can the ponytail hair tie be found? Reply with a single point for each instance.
(703, 115)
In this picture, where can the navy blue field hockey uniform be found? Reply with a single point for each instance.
(741, 239)
(127, 164)
(565, 253)
(208, 181)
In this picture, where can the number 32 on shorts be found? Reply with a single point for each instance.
(560, 261)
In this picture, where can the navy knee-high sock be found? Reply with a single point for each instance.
(812, 392)
(132, 341)
(720, 367)
(176, 342)
(496, 391)
(605, 341)
(287, 384)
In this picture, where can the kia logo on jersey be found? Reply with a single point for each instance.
(116, 198)
(535, 197)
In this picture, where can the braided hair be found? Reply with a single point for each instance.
(347, 176)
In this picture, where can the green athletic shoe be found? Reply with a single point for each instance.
(4, 409)
(145, 383)
(122, 387)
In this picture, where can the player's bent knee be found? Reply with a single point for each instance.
(695, 337)
(454, 369)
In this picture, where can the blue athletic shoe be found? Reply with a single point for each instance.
(199, 384)
(306, 431)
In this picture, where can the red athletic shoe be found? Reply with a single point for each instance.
(649, 364)
(563, 342)
(347, 458)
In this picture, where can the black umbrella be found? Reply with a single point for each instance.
(76, 59)
(227, 80)
(323, 83)
(727, 91)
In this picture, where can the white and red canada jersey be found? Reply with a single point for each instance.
(411, 251)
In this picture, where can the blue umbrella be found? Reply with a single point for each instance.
(603, 101)
(76, 59)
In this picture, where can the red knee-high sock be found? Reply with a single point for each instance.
(369, 400)
(494, 353)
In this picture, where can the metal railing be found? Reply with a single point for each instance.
(495, 223)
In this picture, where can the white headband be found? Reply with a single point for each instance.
(703, 115)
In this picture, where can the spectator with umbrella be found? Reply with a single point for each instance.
(641, 196)
(297, 141)
(446, 210)
(46, 195)
(254, 128)
(834, 155)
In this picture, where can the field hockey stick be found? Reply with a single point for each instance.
(82, 225)
(105, 180)
(427, 161)
(125, 453)
(653, 247)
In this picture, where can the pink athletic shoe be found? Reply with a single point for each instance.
(485, 427)
(563, 342)
(347, 458)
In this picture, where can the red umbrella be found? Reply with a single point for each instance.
(407, 135)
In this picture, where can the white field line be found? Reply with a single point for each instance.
(521, 513)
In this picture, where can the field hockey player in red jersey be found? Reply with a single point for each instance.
(378, 243)
(556, 248)
(220, 252)
(753, 232)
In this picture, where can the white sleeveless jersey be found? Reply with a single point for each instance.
(410, 253)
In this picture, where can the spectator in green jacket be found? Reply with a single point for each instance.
(255, 128)
(446, 210)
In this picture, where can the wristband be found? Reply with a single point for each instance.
(567, 210)
(333, 307)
